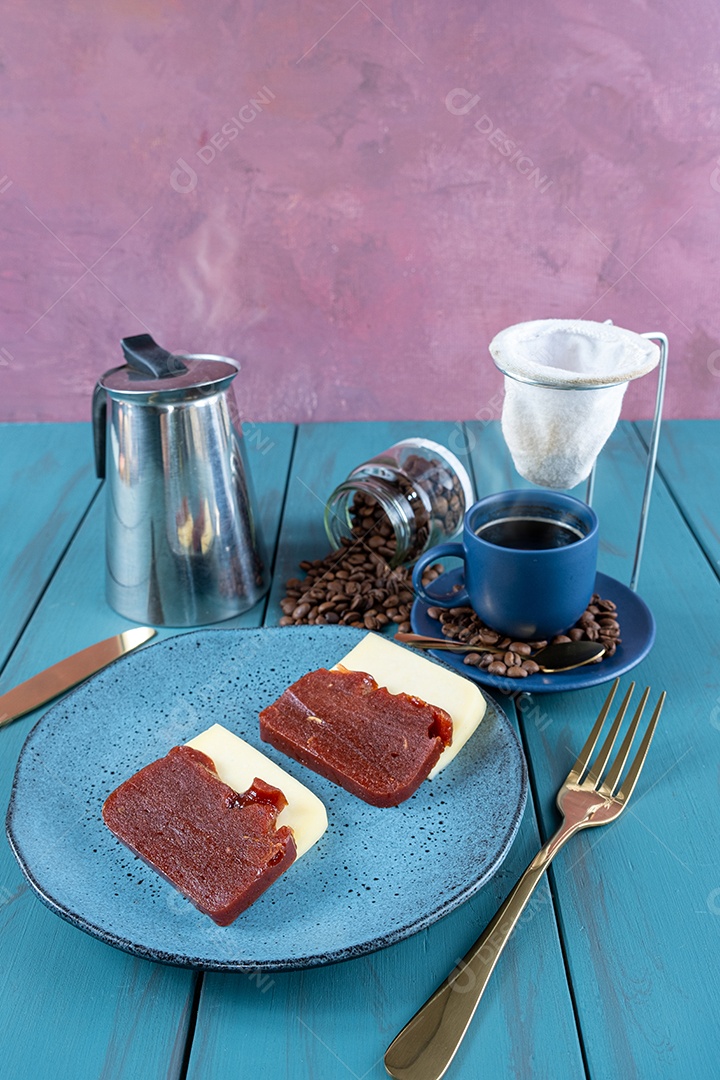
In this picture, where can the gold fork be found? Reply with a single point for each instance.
(589, 796)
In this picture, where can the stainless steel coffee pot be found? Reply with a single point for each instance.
(182, 540)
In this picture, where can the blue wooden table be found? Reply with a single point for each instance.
(614, 970)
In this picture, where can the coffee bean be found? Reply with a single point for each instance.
(497, 668)
(472, 659)
(517, 672)
(301, 611)
(461, 624)
(606, 605)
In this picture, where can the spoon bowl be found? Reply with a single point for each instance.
(550, 659)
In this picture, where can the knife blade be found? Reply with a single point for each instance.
(67, 673)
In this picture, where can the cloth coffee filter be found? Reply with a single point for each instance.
(554, 435)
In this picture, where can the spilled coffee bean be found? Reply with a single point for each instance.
(598, 622)
(353, 586)
(356, 585)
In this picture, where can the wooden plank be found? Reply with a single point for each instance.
(687, 458)
(47, 479)
(73, 1007)
(639, 901)
(337, 1021)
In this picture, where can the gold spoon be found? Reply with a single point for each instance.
(550, 659)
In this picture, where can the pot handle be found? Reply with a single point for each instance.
(143, 353)
(99, 422)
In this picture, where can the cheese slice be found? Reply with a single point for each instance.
(237, 763)
(402, 671)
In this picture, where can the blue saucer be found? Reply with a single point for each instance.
(637, 627)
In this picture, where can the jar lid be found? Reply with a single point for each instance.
(152, 371)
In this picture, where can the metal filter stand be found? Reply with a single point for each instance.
(662, 341)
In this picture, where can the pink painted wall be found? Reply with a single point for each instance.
(362, 237)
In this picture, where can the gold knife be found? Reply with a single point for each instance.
(55, 680)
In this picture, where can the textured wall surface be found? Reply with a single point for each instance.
(353, 198)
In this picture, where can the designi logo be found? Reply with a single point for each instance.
(183, 178)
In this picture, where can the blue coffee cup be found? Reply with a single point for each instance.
(530, 562)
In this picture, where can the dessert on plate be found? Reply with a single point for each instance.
(379, 723)
(218, 819)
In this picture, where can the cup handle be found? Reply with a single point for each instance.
(450, 600)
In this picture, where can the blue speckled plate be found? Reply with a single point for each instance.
(637, 627)
(375, 877)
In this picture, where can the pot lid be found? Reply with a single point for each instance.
(152, 370)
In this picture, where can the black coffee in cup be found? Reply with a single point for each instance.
(529, 533)
(530, 560)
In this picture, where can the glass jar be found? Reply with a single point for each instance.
(401, 502)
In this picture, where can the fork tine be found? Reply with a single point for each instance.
(632, 777)
(585, 754)
(611, 780)
(598, 765)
